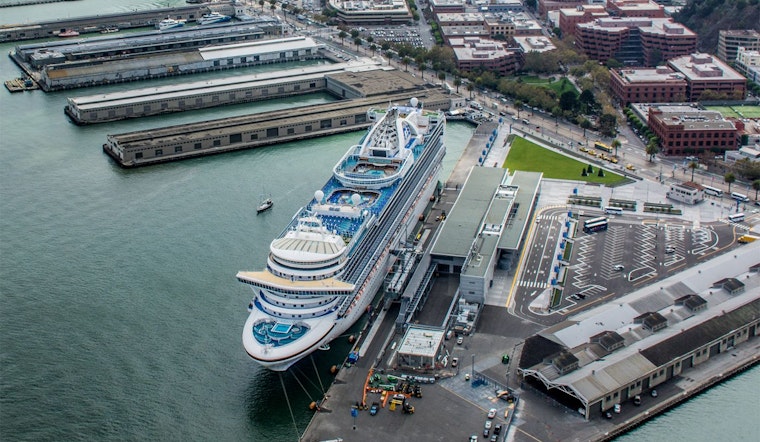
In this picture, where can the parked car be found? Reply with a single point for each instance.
(637, 400)
(454, 362)
(654, 393)
(374, 408)
(617, 408)
(460, 340)
(491, 413)
(497, 429)
(488, 425)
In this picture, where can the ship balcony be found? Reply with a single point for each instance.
(294, 313)
(296, 302)
(303, 273)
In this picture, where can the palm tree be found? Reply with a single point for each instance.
(457, 83)
(518, 106)
(261, 3)
(470, 88)
(756, 186)
(729, 178)
(693, 166)
(406, 61)
(373, 48)
(652, 149)
(615, 144)
(342, 35)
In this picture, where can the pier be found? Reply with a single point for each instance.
(173, 143)
(205, 94)
(31, 2)
(96, 23)
(116, 60)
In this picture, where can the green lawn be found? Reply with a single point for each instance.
(737, 111)
(528, 156)
(557, 86)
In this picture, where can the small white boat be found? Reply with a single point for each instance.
(265, 204)
(170, 23)
(109, 30)
(213, 18)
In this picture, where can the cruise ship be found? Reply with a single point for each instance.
(324, 269)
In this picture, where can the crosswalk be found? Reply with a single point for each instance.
(533, 284)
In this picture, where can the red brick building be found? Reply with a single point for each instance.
(569, 17)
(647, 85)
(685, 130)
(473, 53)
(635, 8)
(703, 73)
(634, 41)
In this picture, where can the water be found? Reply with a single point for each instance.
(120, 316)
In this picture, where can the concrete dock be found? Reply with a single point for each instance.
(453, 409)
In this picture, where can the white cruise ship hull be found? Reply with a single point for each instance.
(292, 316)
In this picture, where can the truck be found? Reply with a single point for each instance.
(746, 239)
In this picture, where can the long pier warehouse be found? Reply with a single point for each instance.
(211, 137)
(157, 56)
(204, 94)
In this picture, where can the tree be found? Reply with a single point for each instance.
(585, 124)
(261, 3)
(358, 42)
(471, 87)
(651, 149)
(590, 169)
(729, 178)
(568, 100)
(693, 166)
(608, 124)
(756, 186)
(406, 61)
(531, 4)
(518, 106)
(615, 145)
(457, 83)
(342, 35)
(600, 173)
(373, 48)
(583, 172)
(420, 60)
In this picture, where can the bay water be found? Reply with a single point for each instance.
(120, 315)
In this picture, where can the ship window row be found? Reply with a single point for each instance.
(310, 305)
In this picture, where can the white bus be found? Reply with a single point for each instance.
(736, 218)
(713, 191)
(739, 197)
(613, 210)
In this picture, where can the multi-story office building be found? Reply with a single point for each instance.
(440, 6)
(473, 53)
(704, 73)
(685, 130)
(648, 85)
(569, 17)
(634, 41)
(635, 8)
(729, 42)
(369, 12)
(748, 64)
